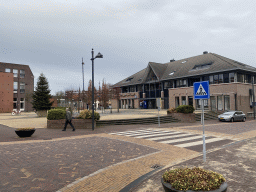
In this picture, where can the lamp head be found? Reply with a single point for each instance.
(99, 55)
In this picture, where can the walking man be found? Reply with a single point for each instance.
(68, 120)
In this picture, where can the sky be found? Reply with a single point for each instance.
(52, 36)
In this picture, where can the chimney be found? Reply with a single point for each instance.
(172, 60)
(205, 52)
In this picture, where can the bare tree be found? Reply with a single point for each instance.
(116, 93)
(89, 94)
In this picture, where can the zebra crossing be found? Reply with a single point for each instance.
(176, 138)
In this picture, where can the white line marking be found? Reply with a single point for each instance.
(183, 139)
(168, 137)
(157, 134)
(199, 142)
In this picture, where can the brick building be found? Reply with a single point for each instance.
(231, 84)
(17, 86)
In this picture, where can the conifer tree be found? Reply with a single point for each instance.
(41, 96)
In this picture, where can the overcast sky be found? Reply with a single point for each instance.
(52, 36)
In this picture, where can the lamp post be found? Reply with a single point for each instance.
(83, 81)
(99, 55)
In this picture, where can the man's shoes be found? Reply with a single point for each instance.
(73, 130)
(64, 130)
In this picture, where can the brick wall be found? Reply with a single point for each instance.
(188, 117)
(6, 92)
(78, 124)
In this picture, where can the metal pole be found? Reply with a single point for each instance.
(158, 117)
(204, 147)
(253, 98)
(83, 81)
(92, 91)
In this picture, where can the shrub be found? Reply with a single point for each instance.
(193, 179)
(185, 109)
(55, 114)
(85, 114)
(62, 108)
(172, 110)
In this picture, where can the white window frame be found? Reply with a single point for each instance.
(15, 74)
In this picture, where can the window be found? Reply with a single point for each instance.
(226, 103)
(22, 104)
(203, 66)
(132, 89)
(247, 78)
(177, 102)
(22, 87)
(205, 78)
(168, 84)
(211, 79)
(231, 77)
(129, 79)
(14, 103)
(15, 72)
(219, 100)
(215, 79)
(183, 100)
(226, 78)
(7, 70)
(171, 73)
(220, 78)
(22, 73)
(15, 86)
(240, 77)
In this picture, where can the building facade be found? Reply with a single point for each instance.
(231, 84)
(17, 86)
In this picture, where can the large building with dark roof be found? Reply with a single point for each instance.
(230, 84)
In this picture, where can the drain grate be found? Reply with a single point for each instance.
(156, 166)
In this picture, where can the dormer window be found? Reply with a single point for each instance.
(202, 66)
(129, 79)
(140, 79)
(171, 73)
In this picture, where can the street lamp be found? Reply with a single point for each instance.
(99, 55)
(83, 81)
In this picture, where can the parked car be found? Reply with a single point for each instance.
(232, 116)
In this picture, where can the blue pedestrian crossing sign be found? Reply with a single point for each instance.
(201, 90)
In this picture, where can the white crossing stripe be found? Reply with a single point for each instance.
(137, 131)
(179, 140)
(167, 137)
(198, 142)
(130, 131)
(157, 134)
(136, 134)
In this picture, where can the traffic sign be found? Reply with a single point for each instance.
(201, 90)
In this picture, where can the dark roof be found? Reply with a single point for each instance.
(193, 66)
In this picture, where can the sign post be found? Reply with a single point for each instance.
(201, 91)
(158, 104)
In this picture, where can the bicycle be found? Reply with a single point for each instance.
(15, 112)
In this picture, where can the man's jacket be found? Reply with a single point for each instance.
(68, 116)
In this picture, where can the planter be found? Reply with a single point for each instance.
(184, 117)
(168, 188)
(25, 133)
(78, 124)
